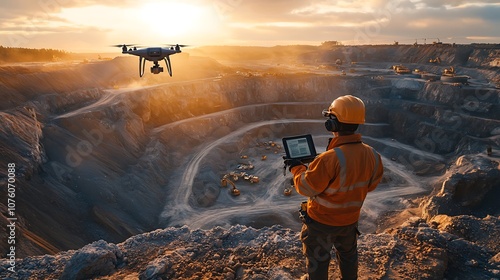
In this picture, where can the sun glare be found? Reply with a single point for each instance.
(148, 23)
(169, 19)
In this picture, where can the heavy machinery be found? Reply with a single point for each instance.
(450, 76)
(232, 177)
(225, 180)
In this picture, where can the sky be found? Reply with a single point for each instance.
(94, 25)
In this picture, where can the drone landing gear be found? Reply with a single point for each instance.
(169, 65)
(142, 65)
(156, 68)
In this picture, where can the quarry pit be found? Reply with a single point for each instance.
(104, 155)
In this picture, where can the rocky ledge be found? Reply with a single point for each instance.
(445, 248)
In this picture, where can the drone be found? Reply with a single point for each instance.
(153, 54)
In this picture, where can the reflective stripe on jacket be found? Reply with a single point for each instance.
(338, 180)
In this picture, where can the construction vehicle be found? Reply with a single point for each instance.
(435, 60)
(287, 191)
(449, 71)
(233, 176)
(235, 192)
(438, 42)
(450, 76)
(400, 69)
(225, 180)
(288, 188)
(245, 166)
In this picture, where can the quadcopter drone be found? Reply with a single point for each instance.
(153, 54)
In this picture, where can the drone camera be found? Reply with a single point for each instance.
(156, 69)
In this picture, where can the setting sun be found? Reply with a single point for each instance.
(146, 23)
(170, 18)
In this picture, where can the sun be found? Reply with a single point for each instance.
(171, 19)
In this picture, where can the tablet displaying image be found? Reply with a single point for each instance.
(299, 147)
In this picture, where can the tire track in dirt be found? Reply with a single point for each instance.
(179, 209)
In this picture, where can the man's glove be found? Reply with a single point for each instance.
(292, 163)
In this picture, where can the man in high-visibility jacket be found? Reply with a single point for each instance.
(336, 182)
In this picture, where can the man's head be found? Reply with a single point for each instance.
(345, 114)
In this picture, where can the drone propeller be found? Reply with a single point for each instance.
(173, 45)
(126, 45)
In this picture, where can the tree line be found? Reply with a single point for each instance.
(9, 54)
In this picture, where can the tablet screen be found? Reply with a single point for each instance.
(299, 147)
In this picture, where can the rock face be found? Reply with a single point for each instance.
(469, 192)
(471, 188)
(412, 251)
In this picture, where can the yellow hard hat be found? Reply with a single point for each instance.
(348, 109)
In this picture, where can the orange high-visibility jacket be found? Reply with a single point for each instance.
(338, 180)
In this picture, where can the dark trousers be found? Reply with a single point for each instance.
(317, 241)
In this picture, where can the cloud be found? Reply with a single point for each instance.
(12, 9)
(455, 25)
(256, 22)
(374, 21)
(38, 23)
(455, 3)
(254, 11)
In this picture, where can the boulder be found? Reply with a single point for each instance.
(96, 259)
(474, 180)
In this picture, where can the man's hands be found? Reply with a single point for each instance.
(291, 163)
